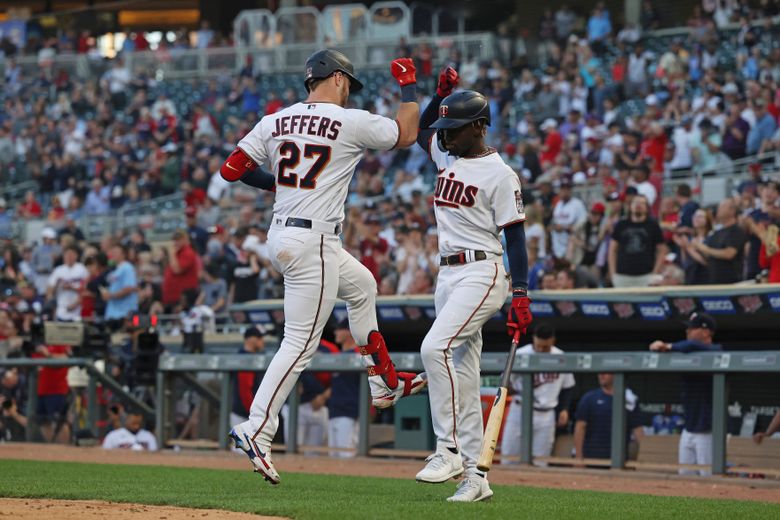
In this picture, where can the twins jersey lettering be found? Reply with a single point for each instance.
(312, 149)
(474, 199)
(547, 386)
(68, 282)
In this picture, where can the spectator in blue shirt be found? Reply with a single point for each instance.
(696, 438)
(98, 200)
(764, 128)
(593, 427)
(121, 296)
(6, 221)
(599, 27)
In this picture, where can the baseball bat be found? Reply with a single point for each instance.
(493, 426)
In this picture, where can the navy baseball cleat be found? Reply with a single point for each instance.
(261, 462)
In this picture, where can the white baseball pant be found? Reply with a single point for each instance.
(466, 297)
(695, 448)
(316, 271)
(343, 433)
(543, 436)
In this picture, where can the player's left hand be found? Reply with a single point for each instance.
(404, 71)
(563, 419)
(519, 316)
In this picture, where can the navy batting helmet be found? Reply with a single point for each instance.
(461, 108)
(323, 63)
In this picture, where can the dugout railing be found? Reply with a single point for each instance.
(720, 365)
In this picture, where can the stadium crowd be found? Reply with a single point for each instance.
(598, 110)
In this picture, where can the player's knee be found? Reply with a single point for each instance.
(431, 351)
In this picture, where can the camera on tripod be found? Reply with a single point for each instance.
(87, 339)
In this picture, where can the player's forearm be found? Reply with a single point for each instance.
(259, 178)
(408, 117)
(579, 439)
(431, 112)
(517, 254)
(774, 425)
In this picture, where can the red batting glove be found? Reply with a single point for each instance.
(448, 80)
(519, 316)
(403, 71)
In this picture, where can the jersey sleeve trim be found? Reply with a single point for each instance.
(502, 226)
(398, 139)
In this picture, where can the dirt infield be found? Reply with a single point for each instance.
(34, 509)
(594, 480)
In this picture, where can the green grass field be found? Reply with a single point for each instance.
(304, 496)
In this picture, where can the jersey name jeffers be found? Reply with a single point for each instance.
(453, 193)
(309, 125)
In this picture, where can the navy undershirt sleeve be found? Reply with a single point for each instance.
(517, 254)
(427, 118)
(259, 178)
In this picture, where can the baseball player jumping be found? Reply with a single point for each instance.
(476, 196)
(312, 149)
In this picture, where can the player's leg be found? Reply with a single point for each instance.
(703, 446)
(510, 439)
(687, 452)
(466, 359)
(544, 435)
(342, 432)
(466, 297)
(310, 289)
(357, 287)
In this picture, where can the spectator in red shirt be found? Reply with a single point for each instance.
(373, 248)
(30, 208)
(769, 257)
(182, 271)
(552, 142)
(654, 147)
(53, 395)
(273, 105)
(247, 383)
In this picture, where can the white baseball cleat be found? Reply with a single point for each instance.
(408, 384)
(472, 489)
(442, 466)
(261, 462)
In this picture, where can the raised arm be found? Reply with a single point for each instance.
(448, 80)
(403, 71)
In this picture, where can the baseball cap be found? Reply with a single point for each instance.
(701, 320)
(651, 100)
(49, 233)
(218, 230)
(631, 190)
(342, 324)
(255, 331)
(598, 207)
(373, 219)
(549, 123)
(566, 182)
(614, 196)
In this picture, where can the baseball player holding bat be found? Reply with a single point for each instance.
(477, 195)
(312, 149)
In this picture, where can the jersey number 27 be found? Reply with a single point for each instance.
(291, 157)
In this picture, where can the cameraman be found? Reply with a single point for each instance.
(13, 396)
(13, 425)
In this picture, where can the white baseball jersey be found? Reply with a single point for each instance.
(299, 142)
(124, 438)
(547, 386)
(474, 199)
(68, 282)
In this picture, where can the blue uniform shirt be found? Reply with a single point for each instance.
(697, 389)
(120, 278)
(595, 408)
(344, 388)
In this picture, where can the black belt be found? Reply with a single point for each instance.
(307, 224)
(460, 258)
